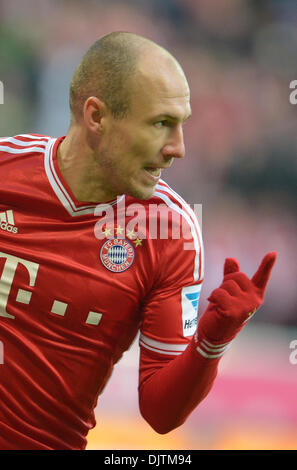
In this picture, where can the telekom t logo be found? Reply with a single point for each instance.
(24, 296)
(6, 281)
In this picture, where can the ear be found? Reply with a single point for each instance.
(94, 110)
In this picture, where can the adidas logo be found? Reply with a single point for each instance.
(7, 222)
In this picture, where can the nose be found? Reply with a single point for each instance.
(175, 147)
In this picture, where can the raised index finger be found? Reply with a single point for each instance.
(231, 266)
(262, 275)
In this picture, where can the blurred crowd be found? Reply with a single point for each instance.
(239, 57)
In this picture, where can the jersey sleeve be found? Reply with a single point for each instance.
(169, 314)
(173, 377)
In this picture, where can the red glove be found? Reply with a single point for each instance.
(231, 306)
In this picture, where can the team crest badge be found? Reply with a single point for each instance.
(117, 255)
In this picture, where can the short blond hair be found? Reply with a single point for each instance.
(106, 71)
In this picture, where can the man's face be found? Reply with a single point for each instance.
(134, 150)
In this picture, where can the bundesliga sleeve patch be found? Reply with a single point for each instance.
(189, 301)
(117, 255)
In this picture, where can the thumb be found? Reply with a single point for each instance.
(231, 266)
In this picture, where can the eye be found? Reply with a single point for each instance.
(160, 124)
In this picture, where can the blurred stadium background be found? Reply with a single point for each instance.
(239, 57)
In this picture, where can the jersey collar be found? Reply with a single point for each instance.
(61, 188)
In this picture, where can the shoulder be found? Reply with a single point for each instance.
(175, 225)
(23, 144)
(172, 205)
(164, 194)
(167, 206)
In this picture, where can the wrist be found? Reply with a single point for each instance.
(210, 349)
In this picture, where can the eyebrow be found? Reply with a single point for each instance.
(172, 117)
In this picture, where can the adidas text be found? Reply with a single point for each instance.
(8, 227)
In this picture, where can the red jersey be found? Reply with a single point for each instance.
(77, 282)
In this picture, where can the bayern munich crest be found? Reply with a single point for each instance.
(117, 255)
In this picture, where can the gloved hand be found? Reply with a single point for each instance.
(231, 306)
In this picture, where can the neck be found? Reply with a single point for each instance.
(80, 169)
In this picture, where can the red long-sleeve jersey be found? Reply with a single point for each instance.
(77, 282)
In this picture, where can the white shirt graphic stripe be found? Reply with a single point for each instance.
(10, 218)
(171, 353)
(163, 348)
(22, 143)
(175, 207)
(24, 150)
(162, 186)
(3, 217)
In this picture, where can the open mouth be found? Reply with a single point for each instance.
(156, 172)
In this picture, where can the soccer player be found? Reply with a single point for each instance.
(79, 278)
